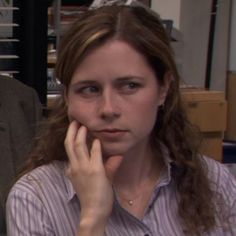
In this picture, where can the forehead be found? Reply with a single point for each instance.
(113, 59)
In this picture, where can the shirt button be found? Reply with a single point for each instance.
(146, 234)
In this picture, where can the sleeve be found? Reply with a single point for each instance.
(37, 109)
(26, 215)
(227, 188)
(32, 110)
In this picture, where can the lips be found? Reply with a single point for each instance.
(111, 130)
(112, 134)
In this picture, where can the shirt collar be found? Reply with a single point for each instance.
(165, 175)
(69, 187)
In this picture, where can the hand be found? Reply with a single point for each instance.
(90, 177)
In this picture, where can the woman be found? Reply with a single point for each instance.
(130, 164)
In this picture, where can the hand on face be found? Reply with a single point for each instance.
(90, 177)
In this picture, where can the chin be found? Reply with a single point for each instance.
(113, 151)
(109, 153)
(120, 148)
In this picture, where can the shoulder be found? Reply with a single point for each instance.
(12, 84)
(220, 177)
(36, 201)
(223, 184)
(216, 171)
(42, 182)
(11, 88)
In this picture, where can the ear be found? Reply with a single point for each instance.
(164, 87)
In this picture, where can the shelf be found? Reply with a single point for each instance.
(9, 72)
(9, 57)
(52, 58)
(8, 40)
(8, 8)
(9, 25)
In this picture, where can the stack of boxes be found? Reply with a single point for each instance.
(207, 110)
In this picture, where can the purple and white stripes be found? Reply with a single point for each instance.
(43, 203)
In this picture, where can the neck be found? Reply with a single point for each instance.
(138, 168)
(136, 180)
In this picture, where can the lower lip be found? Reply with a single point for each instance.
(111, 135)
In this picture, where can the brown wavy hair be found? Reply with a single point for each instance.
(143, 30)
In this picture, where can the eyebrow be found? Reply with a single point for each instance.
(118, 79)
(128, 77)
(84, 82)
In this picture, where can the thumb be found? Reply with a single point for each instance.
(112, 165)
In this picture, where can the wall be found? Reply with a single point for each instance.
(221, 46)
(192, 18)
(232, 39)
(194, 24)
(168, 9)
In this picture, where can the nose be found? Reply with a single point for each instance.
(108, 108)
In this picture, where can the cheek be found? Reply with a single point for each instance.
(149, 105)
(78, 112)
(150, 116)
(146, 114)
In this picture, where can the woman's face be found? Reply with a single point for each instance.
(115, 94)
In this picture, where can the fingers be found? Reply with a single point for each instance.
(80, 144)
(75, 144)
(96, 153)
(112, 165)
(69, 141)
(78, 154)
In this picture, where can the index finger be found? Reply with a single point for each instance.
(69, 141)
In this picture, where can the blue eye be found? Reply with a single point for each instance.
(88, 90)
(130, 87)
(91, 89)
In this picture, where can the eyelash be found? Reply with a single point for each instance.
(124, 87)
(87, 89)
(130, 87)
(134, 85)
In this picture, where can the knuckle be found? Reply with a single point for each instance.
(78, 144)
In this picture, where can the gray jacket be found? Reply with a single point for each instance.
(20, 111)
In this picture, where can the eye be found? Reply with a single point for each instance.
(88, 90)
(130, 87)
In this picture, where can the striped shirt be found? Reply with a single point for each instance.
(44, 203)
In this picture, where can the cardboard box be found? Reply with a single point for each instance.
(212, 145)
(231, 114)
(207, 110)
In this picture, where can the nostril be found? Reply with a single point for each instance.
(108, 108)
(110, 116)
